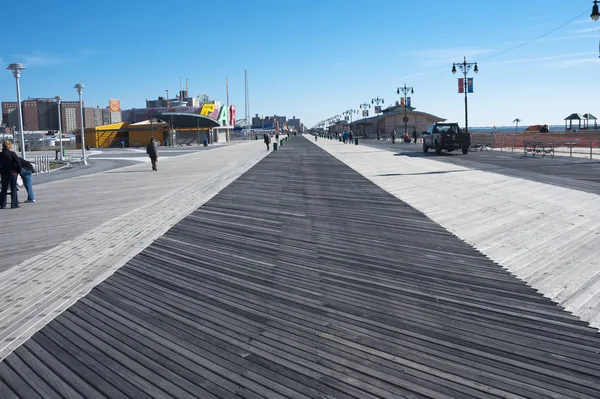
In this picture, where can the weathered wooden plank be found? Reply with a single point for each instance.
(304, 285)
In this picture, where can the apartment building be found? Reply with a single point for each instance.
(10, 115)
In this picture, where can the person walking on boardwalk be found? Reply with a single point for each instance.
(152, 151)
(345, 137)
(415, 135)
(267, 140)
(394, 136)
(10, 167)
(26, 173)
(350, 136)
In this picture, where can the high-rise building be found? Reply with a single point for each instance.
(47, 114)
(294, 123)
(30, 115)
(10, 116)
(280, 119)
(38, 114)
(71, 119)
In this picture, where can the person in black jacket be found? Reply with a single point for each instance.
(10, 167)
(26, 173)
(152, 151)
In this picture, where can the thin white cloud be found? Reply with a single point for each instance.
(37, 59)
(587, 30)
(441, 56)
(576, 63)
(431, 72)
(585, 56)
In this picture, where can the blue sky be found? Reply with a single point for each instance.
(312, 59)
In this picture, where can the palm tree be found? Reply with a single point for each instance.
(517, 120)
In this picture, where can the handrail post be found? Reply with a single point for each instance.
(571, 150)
(591, 150)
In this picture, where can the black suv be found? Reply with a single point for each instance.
(446, 136)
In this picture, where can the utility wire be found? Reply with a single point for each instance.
(516, 47)
(533, 40)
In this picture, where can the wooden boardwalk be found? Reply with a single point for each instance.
(545, 232)
(302, 279)
(118, 214)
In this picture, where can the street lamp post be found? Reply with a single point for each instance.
(465, 67)
(349, 114)
(377, 101)
(365, 107)
(16, 69)
(595, 15)
(405, 90)
(79, 87)
(60, 143)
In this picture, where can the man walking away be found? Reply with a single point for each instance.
(394, 136)
(10, 167)
(152, 151)
(267, 140)
(415, 135)
(345, 137)
(350, 136)
(26, 173)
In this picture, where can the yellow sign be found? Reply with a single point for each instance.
(115, 105)
(207, 109)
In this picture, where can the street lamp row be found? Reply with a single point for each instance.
(465, 68)
(16, 69)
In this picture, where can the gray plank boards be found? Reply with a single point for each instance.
(287, 285)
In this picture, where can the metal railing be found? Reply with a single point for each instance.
(74, 161)
(575, 147)
(42, 164)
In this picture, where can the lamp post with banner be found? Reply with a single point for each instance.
(465, 84)
(405, 90)
(365, 112)
(377, 101)
(348, 115)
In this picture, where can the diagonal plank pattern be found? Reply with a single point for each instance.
(38, 289)
(302, 279)
(544, 234)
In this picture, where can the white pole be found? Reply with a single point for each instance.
(16, 69)
(80, 88)
(60, 156)
(20, 116)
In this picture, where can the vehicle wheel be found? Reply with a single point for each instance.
(465, 150)
(438, 148)
(425, 148)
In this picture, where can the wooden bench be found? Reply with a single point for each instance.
(538, 147)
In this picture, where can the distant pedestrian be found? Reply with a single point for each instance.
(267, 140)
(26, 173)
(152, 151)
(350, 136)
(10, 167)
(345, 137)
(415, 135)
(394, 136)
